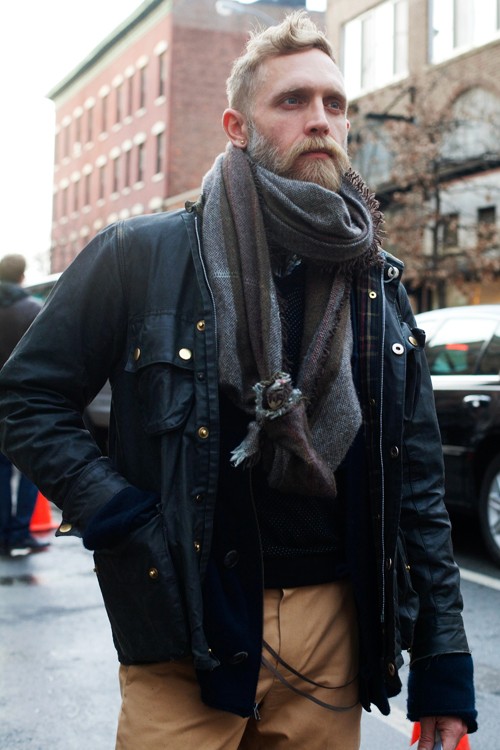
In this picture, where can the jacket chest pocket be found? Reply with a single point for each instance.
(161, 357)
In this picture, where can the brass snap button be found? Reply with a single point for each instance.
(200, 326)
(137, 353)
(153, 573)
(65, 527)
(203, 432)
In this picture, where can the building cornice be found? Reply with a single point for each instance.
(137, 17)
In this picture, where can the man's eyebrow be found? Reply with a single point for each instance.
(332, 93)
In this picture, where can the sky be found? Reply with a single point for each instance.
(40, 42)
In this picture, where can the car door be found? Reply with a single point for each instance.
(467, 397)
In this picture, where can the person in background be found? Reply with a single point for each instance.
(17, 311)
(269, 530)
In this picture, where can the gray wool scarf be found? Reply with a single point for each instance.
(300, 432)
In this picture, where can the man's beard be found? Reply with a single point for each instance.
(325, 172)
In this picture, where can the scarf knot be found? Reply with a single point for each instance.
(273, 399)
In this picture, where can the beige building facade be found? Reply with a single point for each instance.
(422, 78)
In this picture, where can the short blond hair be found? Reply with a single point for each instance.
(296, 33)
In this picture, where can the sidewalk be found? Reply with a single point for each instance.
(58, 667)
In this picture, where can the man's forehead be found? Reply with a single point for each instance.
(300, 70)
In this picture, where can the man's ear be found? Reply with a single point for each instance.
(234, 123)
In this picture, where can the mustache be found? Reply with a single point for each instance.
(326, 145)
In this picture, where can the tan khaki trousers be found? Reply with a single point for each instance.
(313, 629)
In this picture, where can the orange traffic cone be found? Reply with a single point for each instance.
(41, 520)
(462, 745)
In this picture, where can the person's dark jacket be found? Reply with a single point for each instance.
(17, 311)
(135, 306)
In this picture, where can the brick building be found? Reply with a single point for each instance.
(428, 69)
(138, 122)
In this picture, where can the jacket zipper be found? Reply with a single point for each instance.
(205, 276)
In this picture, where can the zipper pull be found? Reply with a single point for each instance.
(256, 713)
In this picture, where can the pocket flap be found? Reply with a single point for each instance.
(161, 356)
(160, 338)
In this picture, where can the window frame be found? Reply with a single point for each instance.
(368, 61)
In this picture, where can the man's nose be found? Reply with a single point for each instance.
(317, 122)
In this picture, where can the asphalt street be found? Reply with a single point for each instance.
(58, 667)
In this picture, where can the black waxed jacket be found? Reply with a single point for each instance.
(135, 307)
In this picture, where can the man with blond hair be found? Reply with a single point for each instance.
(269, 528)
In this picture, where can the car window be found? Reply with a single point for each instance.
(455, 347)
(429, 325)
(490, 361)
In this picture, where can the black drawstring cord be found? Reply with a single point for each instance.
(312, 698)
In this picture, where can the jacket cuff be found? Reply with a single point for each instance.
(127, 510)
(443, 686)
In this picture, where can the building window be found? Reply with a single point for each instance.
(87, 184)
(119, 103)
(474, 117)
(66, 141)
(161, 74)
(128, 162)
(90, 124)
(160, 152)
(449, 224)
(130, 96)
(487, 227)
(104, 113)
(116, 174)
(459, 25)
(142, 87)
(64, 202)
(76, 195)
(375, 47)
(102, 181)
(78, 129)
(141, 152)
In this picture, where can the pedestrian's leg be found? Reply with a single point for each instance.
(20, 523)
(314, 630)
(5, 501)
(162, 709)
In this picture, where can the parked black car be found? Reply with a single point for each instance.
(463, 351)
(96, 416)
